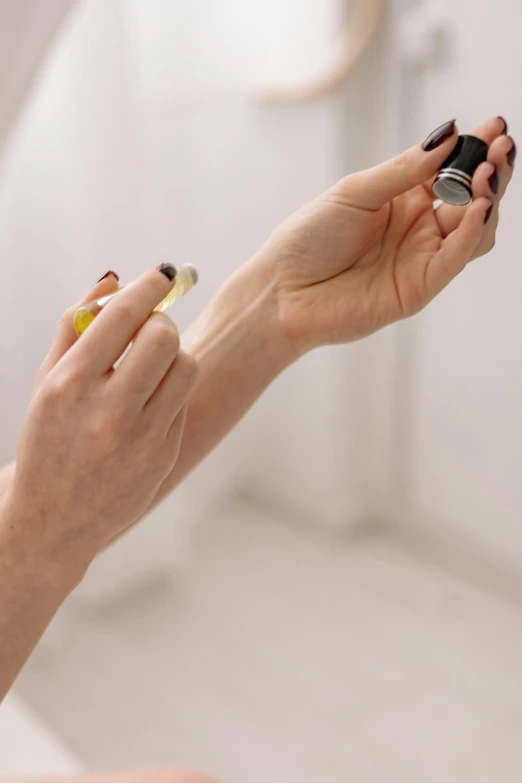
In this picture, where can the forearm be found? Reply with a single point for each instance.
(237, 343)
(32, 588)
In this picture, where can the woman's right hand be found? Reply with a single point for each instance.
(98, 441)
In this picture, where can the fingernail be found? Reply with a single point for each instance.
(512, 154)
(110, 273)
(488, 213)
(504, 132)
(439, 135)
(494, 182)
(168, 270)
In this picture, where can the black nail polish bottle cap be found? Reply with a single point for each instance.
(453, 183)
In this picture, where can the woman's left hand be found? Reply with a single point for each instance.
(373, 250)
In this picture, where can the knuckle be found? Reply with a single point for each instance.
(405, 168)
(63, 385)
(402, 161)
(164, 333)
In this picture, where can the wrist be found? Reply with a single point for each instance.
(48, 568)
(244, 317)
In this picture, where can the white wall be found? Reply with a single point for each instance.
(112, 167)
(325, 445)
(461, 452)
(27, 30)
(116, 164)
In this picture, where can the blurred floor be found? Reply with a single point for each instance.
(282, 656)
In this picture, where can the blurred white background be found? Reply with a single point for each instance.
(334, 594)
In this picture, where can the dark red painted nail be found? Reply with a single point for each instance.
(504, 132)
(488, 213)
(494, 182)
(168, 270)
(512, 154)
(439, 135)
(110, 273)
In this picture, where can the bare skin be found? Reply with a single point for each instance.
(134, 776)
(366, 253)
(95, 455)
(96, 445)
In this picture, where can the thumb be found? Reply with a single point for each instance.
(66, 335)
(375, 187)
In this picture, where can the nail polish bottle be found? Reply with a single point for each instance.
(186, 279)
(453, 182)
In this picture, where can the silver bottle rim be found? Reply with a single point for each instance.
(453, 186)
(455, 174)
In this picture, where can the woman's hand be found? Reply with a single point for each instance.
(98, 441)
(372, 250)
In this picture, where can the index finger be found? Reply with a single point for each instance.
(488, 131)
(117, 324)
(66, 336)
